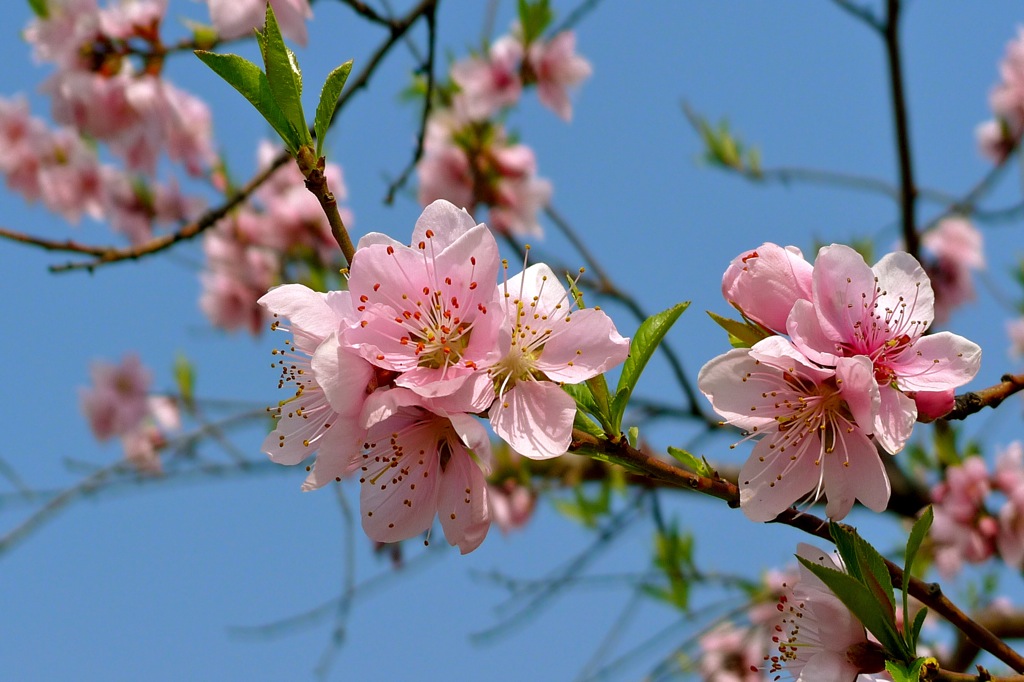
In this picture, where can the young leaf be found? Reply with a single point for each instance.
(641, 348)
(599, 389)
(39, 8)
(333, 86)
(741, 334)
(905, 672)
(534, 18)
(688, 460)
(863, 604)
(583, 397)
(246, 77)
(915, 632)
(865, 563)
(917, 535)
(584, 423)
(185, 378)
(284, 76)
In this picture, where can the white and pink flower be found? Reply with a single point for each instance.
(814, 425)
(556, 68)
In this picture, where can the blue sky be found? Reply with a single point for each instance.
(149, 583)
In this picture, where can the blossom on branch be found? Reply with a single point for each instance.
(814, 425)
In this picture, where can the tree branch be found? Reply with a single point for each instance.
(967, 404)
(908, 190)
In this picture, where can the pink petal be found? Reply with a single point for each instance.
(805, 330)
(342, 375)
(338, 456)
(717, 381)
(535, 418)
(904, 281)
(766, 282)
(462, 503)
(937, 362)
(859, 390)
(385, 514)
(312, 319)
(843, 286)
(445, 220)
(897, 413)
(772, 481)
(932, 405)
(854, 471)
(583, 346)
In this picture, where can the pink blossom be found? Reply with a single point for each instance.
(819, 638)
(419, 462)
(545, 343)
(557, 67)
(1010, 535)
(118, 399)
(511, 505)
(732, 654)
(237, 276)
(1009, 474)
(1007, 98)
(142, 444)
(470, 164)
(237, 18)
(1015, 330)
(814, 425)
(881, 313)
(765, 283)
(957, 246)
(486, 86)
(330, 384)
(994, 140)
(430, 311)
(960, 531)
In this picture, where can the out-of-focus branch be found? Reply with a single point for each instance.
(1003, 624)
(967, 404)
(928, 593)
(908, 190)
(860, 13)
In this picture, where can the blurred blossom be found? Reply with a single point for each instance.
(237, 18)
(957, 247)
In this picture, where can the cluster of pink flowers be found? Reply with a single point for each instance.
(388, 377)
(963, 529)
(956, 247)
(247, 252)
(998, 137)
(238, 18)
(467, 156)
(856, 364)
(60, 169)
(119, 404)
(108, 82)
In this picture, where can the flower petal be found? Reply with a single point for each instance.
(772, 481)
(582, 346)
(854, 471)
(535, 418)
(462, 503)
(897, 413)
(938, 362)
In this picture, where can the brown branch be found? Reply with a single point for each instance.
(65, 245)
(929, 594)
(1006, 625)
(967, 404)
(908, 190)
(931, 672)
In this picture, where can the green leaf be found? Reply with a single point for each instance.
(247, 78)
(909, 672)
(584, 423)
(741, 334)
(641, 348)
(917, 535)
(688, 460)
(40, 8)
(534, 18)
(185, 378)
(284, 76)
(633, 436)
(863, 604)
(583, 397)
(599, 389)
(333, 86)
(915, 631)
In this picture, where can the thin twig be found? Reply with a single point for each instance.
(860, 13)
(428, 101)
(967, 404)
(908, 190)
(576, 15)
